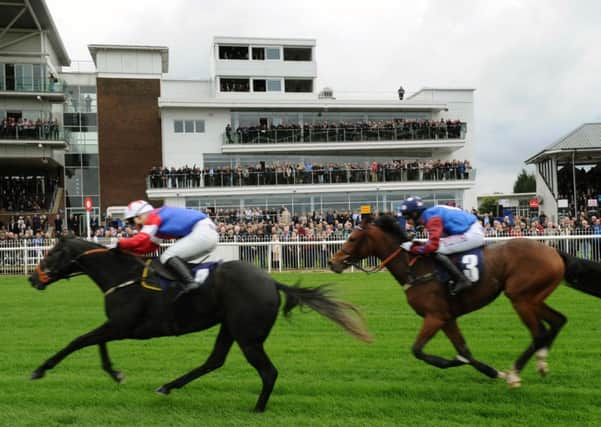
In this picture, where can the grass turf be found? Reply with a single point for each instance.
(326, 377)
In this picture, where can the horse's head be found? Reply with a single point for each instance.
(60, 262)
(378, 238)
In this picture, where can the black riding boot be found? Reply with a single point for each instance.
(179, 267)
(460, 281)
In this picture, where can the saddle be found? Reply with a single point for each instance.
(470, 263)
(156, 276)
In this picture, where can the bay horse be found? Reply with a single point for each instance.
(237, 295)
(525, 270)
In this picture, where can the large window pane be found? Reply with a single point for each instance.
(73, 160)
(259, 85)
(89, 160)
(178, 126)
(90, 182)
(297, 54)
(199, 126)
(189, 126)
(274, 85)
(233, 52)
(299, 85)
(234, 85)
(74, 184)
(258, 53)
(2, 77)
(272, 52)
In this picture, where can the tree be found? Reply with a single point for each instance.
(489, 204)
(525, 183)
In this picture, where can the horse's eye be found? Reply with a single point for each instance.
(351, 239)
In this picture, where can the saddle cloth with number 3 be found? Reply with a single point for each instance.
(471, 263)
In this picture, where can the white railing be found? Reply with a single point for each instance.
(19, 257)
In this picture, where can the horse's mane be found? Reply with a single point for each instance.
(390, 225)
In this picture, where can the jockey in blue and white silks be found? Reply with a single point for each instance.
(450, 230)
(196, 233)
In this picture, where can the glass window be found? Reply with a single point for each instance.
(74, 184)
(199, 125)
(89, 160)
(299, 85)
(258, 53)
(274, 85)
(259, 85)
(178, 126)
(272, 52)
(72, 160)
(90, 181)
(2, 85)
(75, 202)
(189, 126)
(233, 52)
(234, 85)
(297, 54)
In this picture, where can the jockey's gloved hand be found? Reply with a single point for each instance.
(407, 245)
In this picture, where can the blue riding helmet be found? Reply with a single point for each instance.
(412, 205)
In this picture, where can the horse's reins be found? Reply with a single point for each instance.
(378, 268)
(44, 278)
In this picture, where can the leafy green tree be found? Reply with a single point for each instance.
(525, 183)
(488, 204)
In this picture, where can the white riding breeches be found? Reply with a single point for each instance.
(471, 239)
(201, 241)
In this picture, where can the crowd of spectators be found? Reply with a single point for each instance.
(370, 130)
(25, 193)
(12, 128)
(286, 173)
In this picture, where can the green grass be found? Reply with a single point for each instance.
(326, 377)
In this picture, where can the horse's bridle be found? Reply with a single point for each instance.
(48, 275)
(354, 262)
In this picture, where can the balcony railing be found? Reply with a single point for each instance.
(49, 85)
(236, 178)
(344, 134)
(44, 132)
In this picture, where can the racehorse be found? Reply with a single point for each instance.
(240, 297)
(525, 270)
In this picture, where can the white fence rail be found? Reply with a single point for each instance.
(18, 257)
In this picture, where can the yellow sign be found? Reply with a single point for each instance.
(365, 210)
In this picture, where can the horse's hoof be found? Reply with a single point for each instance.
(119, 377)
(501, 375)
(513, 379)
(37, 374)
(515, 384)
(163, 391)
(542, 368)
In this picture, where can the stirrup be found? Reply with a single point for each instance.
(457, 287)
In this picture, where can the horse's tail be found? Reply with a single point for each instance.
(319, 299)
(582, 274)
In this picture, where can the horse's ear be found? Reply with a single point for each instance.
(365, 219)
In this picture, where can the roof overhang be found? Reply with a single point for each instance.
(36, 18)
(300, 104)
(162, 50)
(579, 153)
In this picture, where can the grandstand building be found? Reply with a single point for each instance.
(258, 119)
(32, 94)
(568, 174)
(256, 133)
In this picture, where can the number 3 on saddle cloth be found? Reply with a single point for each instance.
(157, 277)
(470, 263)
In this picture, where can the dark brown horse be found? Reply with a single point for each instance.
(525, 270)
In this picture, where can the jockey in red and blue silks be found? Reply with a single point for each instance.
(450, 230)
(196, 233)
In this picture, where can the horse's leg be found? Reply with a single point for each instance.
(104, 333)
(107, 364)
(430, 326)
(528, 313)
(256, 356)
(215, 360)
(556, 321)
(451, 330)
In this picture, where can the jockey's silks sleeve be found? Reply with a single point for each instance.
(146, 240)
(434, 226)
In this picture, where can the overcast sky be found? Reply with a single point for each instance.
(536, 65)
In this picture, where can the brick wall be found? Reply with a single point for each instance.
(129, 137)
